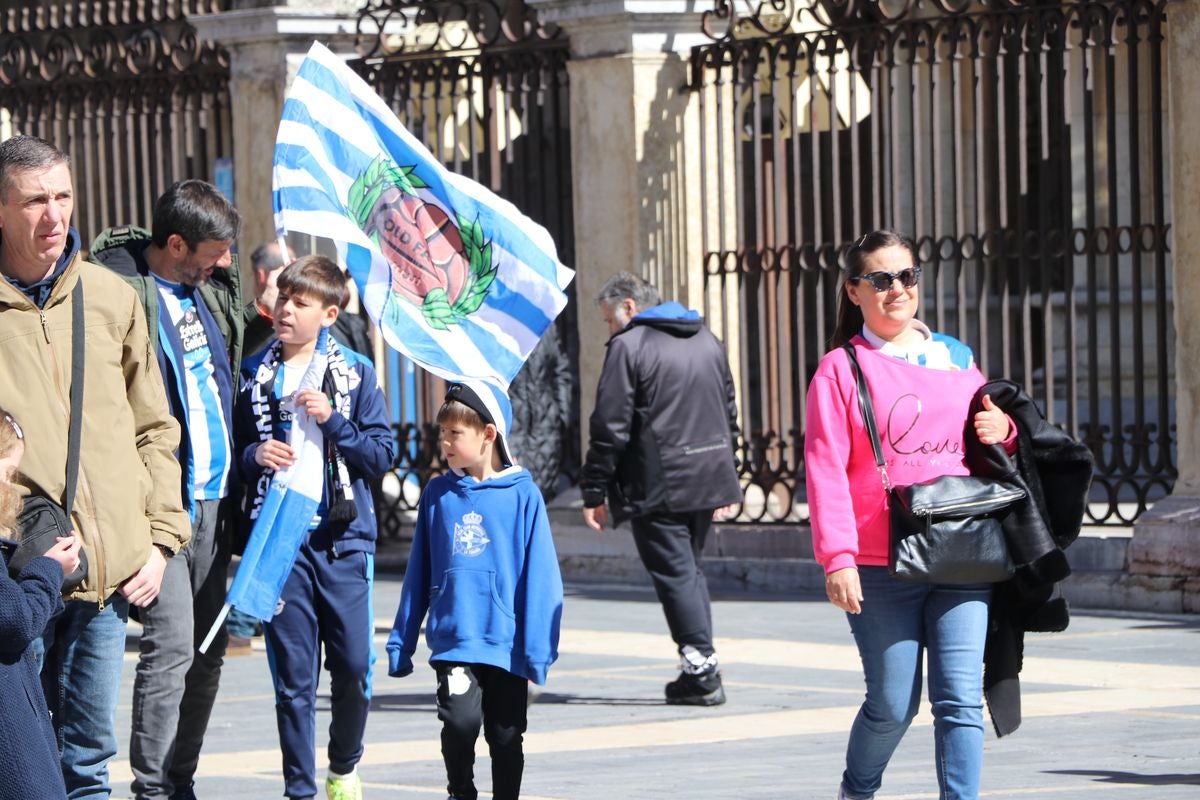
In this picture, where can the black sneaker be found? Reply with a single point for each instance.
(696, 690)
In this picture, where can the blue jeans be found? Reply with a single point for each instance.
(898, 623)
(81, 675)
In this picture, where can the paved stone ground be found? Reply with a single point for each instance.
(1112, 710)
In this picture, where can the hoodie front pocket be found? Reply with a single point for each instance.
(467, 608)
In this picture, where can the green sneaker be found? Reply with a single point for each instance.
(344, 787)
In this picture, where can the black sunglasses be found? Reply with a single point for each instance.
(882, 281)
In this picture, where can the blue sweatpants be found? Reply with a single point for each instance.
(326, 601)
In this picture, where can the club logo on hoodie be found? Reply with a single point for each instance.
(470, 539)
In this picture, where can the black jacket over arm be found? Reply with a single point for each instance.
(1056, 472)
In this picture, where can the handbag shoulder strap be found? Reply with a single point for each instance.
(868, 413)
(75, 426)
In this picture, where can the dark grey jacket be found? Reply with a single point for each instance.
(541, 396)
(664, 430)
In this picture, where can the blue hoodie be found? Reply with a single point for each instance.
(483, 566)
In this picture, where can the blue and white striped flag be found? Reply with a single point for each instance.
(456, 278)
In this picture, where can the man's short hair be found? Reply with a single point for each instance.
(197, 212)
(314, 276)
(627, 285)
(22, 153)
(268, 257)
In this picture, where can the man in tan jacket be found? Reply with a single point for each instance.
(127, 507)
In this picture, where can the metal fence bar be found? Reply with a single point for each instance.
(1021, 145)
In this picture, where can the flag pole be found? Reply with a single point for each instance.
(212, 632)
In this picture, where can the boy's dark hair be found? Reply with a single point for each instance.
(453, 411)
(196, 211)
(314, 276)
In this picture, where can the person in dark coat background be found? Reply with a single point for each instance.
(662, 453)
(541, 402)
(29, 763)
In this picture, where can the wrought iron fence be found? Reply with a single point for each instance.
(128, 90)
(484, 86)
(1021, 144)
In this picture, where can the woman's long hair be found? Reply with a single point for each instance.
(11, 438)
(849, 316)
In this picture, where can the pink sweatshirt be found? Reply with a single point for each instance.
(921, 413)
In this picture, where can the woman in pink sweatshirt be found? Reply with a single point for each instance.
(921, 384)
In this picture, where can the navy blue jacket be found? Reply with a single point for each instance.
(365, 441)
(29, 765)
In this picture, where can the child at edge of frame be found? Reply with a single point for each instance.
(484, 568)
(27, 602)
(327, 597)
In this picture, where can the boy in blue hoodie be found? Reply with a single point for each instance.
(327, 597)
(483, 566)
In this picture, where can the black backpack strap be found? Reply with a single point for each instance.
(868, 413)
(76, 423)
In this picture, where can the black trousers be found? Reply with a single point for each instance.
(670, 547)
(469, 695)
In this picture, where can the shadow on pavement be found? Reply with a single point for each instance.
(550, 698)
(1109, 776)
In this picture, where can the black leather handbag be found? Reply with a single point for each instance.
(947, 530)
(41, 520)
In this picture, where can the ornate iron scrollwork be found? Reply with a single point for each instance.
(738, 19)
(396, 28)
(86, 41)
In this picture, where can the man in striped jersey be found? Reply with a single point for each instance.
(197, 333)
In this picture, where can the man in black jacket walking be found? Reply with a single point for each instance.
(662, 444)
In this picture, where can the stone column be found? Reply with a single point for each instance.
(1166, 539)
(635, 189)
(266, 46)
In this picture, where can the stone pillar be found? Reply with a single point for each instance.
(266, 46)
(635, 188)
(1166, 539)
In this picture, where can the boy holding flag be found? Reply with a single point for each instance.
(305, 383)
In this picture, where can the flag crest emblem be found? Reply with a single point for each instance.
(443, 268)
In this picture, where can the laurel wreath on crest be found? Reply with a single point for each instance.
(438, 311)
